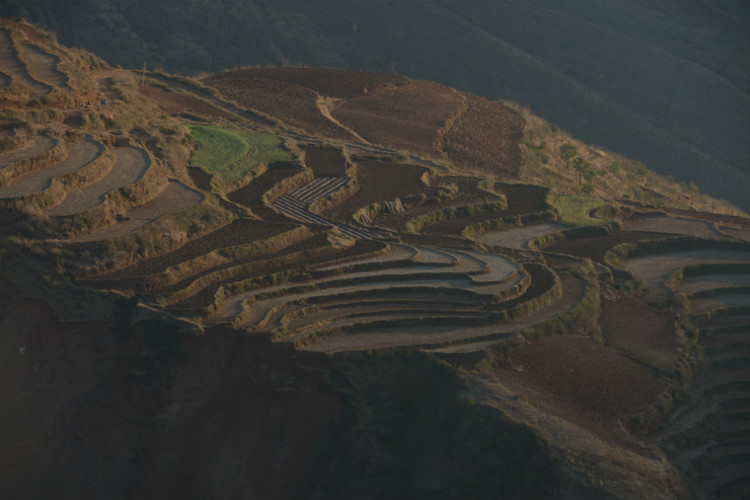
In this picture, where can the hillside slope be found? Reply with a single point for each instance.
(666, 83)
(314, 283)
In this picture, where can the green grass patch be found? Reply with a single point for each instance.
(235, 153)
(576, 209)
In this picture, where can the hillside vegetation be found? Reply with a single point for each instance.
(663, 82)
(297, 283)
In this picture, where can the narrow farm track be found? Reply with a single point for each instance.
(39, 145)
(175, 197)
(80, 154)
(44, 65)
(11, 64)
(131, 164)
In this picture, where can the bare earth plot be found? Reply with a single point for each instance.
(80, 154)
(44, 65)
(173, 198)
(673, 225)
(10, 63)
(35, 147)
(574, 290)
(694, 284)
(653, 270)
(131, 164)
(518, 237)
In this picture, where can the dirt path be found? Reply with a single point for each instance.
(80, 154)
(325, 104)
(131, 164)
(175, 197)
(35, 147)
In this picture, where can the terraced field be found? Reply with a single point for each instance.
(44, 65)
(130, 165)
(16, 69)
(79, 154)
(321, 228)
(37, 146)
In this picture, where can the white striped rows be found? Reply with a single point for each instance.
(295, 209)
(318, 188)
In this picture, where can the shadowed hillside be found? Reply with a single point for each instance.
(313, 283)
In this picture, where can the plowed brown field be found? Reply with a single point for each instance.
(407, 117)
(293, 104)
(325, 162)
(178, 104)
(327, 82)
(379, 181)
(486, 139)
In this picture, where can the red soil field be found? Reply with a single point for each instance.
(595, 247)
(325, 162)
(641, 331)
(293, 104)
(177, 104)
(407, 117)
(574, 373)
(523, 198)
(379, 181)
(486, 139)
(327, 82)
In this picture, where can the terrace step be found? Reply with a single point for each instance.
(296, 203)
(80, 154)
(39, 145)
(131, 164)
(44, 65)
(437, 338)
(16, 69)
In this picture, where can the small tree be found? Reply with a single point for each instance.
(581, 166)
(568, 151)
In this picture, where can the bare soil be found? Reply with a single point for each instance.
(131, 164)
(175, 197)
(408, 117)
(179, 104)
(379, 181)
(44, 65)
(579, 379)
(486, 139)
(10, 62)
(325, 161)
(235, 233)
(642, 332)
(40, 144)
(292, 104)
(594, 247)
(327, 82)
(80, 154)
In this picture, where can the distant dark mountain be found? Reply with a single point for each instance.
(664, 82)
